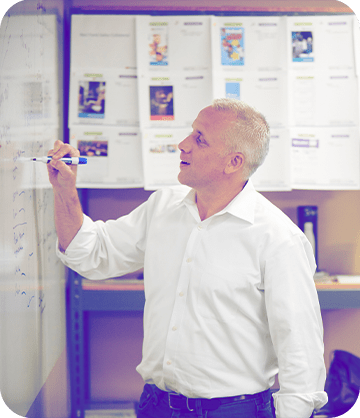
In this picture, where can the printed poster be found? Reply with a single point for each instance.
(314, 153)
(103, 78)
(275, 173)
(320, 43)
(173, 44)
(266, 91)
(173, 100)
(327, 98)
(104, 98)
(161, 156)
(102, 41)
(114, 156)
(248, 43)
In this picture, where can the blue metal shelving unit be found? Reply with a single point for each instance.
(80, 303)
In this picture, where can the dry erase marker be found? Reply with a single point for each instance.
(66, 160)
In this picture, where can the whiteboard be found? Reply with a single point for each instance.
(32, 279)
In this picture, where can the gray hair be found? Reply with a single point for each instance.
(248, 134)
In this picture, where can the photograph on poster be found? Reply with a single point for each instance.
(232, 45)
(91, 99)
(161, 103)
(158, 35)
(162, 149)
(302, 46)
(232, 89)
(93, 148)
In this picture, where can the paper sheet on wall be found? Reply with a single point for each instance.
(33, 96)
(356, 36)
(174, 69)
(325, 158)
(29, 73)
(114, 156)
(103, 80)
(104, 97)
(323, 98)
(275, 173)
(266, 91)
(173, 44)
(173, 100)
(103, 41)
(249, 62)
(320, 42)
(161, 156)
(246, 43)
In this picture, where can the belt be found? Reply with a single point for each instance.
(181, 402)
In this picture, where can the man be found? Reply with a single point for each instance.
(230, 296)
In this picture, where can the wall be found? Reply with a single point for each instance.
(115, 345)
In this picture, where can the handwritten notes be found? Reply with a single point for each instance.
(32, 282)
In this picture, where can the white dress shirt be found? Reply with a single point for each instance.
(230, 301)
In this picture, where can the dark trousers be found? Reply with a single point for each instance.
(155, 403)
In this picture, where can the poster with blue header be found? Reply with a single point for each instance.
(232, 45)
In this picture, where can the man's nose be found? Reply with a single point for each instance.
(185, 145)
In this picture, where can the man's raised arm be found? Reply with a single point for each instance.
(68, 211)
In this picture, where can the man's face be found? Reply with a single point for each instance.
(202, 161)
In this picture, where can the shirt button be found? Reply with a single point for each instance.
(200, 227)
(189, 260)
(168, 362)
(181, 294)
(174, 328)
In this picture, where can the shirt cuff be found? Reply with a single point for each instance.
(78, 242)
(298, 405)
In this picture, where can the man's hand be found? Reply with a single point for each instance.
(61, 175)
(68, 212)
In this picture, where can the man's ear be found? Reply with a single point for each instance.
(235, 163)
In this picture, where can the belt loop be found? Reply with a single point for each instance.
(199, 410)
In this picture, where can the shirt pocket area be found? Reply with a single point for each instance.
(221, 292)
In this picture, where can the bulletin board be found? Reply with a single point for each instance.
(137, 83)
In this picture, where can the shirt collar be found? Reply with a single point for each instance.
(242, 206)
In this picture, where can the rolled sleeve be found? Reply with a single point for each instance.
(289, 405)
(102, 250)
(80, 247)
